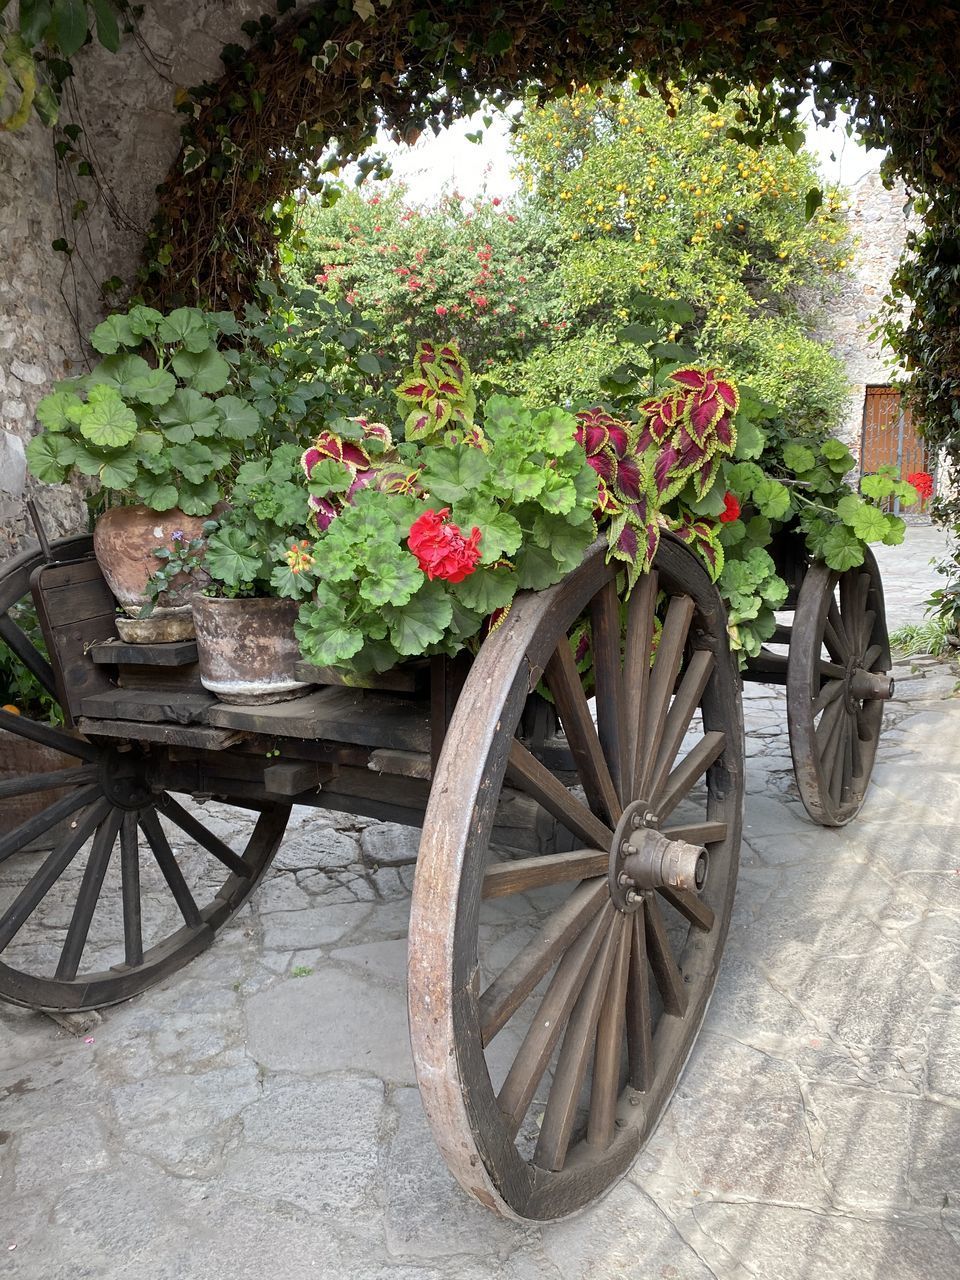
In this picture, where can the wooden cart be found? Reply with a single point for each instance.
(575, 877)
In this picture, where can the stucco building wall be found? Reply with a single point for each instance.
(879, 220)
(48, 301)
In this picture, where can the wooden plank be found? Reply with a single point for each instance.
(171, 735)
(406, 764)
(74, 592)
(640, 1068)
(290, 778)
(524, 874)
(185, 679)
(148, 706)
(75, 609)
(336, 715)
(608, 681)
(176, 653)
(411, 677)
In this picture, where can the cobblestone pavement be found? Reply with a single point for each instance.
(256, 1115)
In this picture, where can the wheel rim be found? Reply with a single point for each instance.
(544, 1069)
(129, 883)
(837, 683)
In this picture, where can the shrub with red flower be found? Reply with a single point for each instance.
(922, 481)
(731, 508)
(440, 547)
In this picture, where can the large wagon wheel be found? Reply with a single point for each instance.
(542, 1075)
(107, 907)
(837, 682)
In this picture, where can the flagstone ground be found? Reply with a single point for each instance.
(257, 1116)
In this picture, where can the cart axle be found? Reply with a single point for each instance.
(642, 859)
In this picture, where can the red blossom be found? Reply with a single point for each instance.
(731, 508)
(481, 301)
(922, 481)
(440, 547)
(496, 201)
(440, 309)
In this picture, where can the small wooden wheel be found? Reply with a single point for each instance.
(837, 682)
(107, 926)
(555, 999)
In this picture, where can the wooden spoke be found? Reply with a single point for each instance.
(130, 890)
(835, 635)
(506, 993)
(605, 1087)
(639, 1014)
(204, 837)
(28, 653)
(46, 734)
(866, 628)
(88, 896)
(45, 819)
(832, 741)
(32, 783)
(524, 874)
(667, 976)
(556, 1128)
(697, 832)
(828, 722)
(50, 872)
(663, 678)
(611, 709)
(524, 770)
(832, 670)
(563, 681)
(870, 657)
(836, 763)
(689, 905)
(681, 713)
(550, 1019)
(636, 664)
(688, 772)
(157, 839)
(856, 750)
(831, 690)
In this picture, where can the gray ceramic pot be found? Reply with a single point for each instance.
(247, 649)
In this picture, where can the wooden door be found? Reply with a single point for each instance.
(890, 439)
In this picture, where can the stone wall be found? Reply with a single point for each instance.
(880, 220)
(47, 301)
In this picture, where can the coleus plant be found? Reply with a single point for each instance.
(439, 388)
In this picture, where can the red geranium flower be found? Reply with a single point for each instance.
(731, 509)
(922, 481)
(440, 547)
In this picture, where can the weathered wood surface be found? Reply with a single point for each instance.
(176, 653)
(337, 715)
(149, 706)
(75, 609)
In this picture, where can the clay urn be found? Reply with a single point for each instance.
(124, 542)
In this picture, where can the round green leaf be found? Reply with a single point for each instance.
(106, 420)
(188, 414)
(185, 326)
(113, 333)
(203, 370)
(157, 493)
(239, 420)
(59, 411)
(118, 473)
(118, 371)
(50, 457)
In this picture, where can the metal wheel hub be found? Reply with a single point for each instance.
(643, 859)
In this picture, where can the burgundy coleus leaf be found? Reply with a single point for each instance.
(448, 388)
(605, 465)
(665, 470)
(607, 504)
(449, 358)
(692, 453)
(628, 543)
(704, 411)
(415, 390)
(652, 542)
(728, 394)
(627, 482)
(691, 378)
(583, 647)
(591, 438)
(725, 434)
(710, 554)
(704, 478)
(324, 512)
(619, 438)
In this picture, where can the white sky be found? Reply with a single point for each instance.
(450, 160)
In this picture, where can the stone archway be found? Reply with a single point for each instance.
(417, 62)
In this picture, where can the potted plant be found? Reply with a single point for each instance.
(246, 646)
(156, 428)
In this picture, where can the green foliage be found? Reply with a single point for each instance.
(944, 602)
(933, 637)
(35, 53)
(178, 401)
(19, 687)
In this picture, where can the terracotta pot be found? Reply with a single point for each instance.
(247, 650)
(18, 756)
(124, 542)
